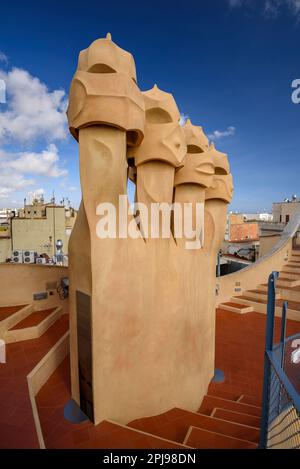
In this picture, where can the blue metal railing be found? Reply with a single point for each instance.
(280, 424)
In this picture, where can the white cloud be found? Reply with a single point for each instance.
(217, 134)
(73, 188)
(44, 163)
(15, 166)
(33, 112)
(3, 57)
(12, 182)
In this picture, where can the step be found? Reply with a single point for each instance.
(281, 283)
(33, 319)
(292, 268)
(260, 306)
(33, 326)
(259, 294)
(124, 437)
(236, 307)
(215, 389)
(235, 392)
(7, 311)
(289, 274)
(287, 282)
(210, 402)
(245, 399)
(245, 299)
(204, 439)
(238, 417)
(175, 423)
(289, 293)
(17, 313)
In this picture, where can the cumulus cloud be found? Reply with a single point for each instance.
(33, 112)
(33, 115)
(217, 134)
(44, 163)
(11, 182)
(17, 170)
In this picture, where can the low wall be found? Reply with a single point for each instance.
(266, 243)
(19, 282)
(40, 375)
(255, 274)
(252, 276)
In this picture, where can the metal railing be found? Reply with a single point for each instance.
(280, 424)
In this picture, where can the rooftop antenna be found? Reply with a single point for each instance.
(53, 198)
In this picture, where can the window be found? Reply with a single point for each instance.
(280, 219)
(287, 218)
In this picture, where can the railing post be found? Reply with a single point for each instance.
(283, 329)
(268, 348)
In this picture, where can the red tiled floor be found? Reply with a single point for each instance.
(6, 311)
(240, 341)
(239, 353)
(17, 429)
(33, 319)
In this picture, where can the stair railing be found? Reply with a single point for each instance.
(280, 423)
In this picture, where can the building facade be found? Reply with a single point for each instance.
(283, 212)
(36, 228)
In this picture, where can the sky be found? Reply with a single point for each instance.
(230, 65)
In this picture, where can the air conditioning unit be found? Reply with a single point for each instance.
(29, 257)
(41, 260)
(17, 257)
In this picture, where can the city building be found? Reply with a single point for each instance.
(284, 211)
(36, 228)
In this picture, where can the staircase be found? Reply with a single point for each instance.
(224, 420)
(287, 289)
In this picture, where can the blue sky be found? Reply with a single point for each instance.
(228, 63)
